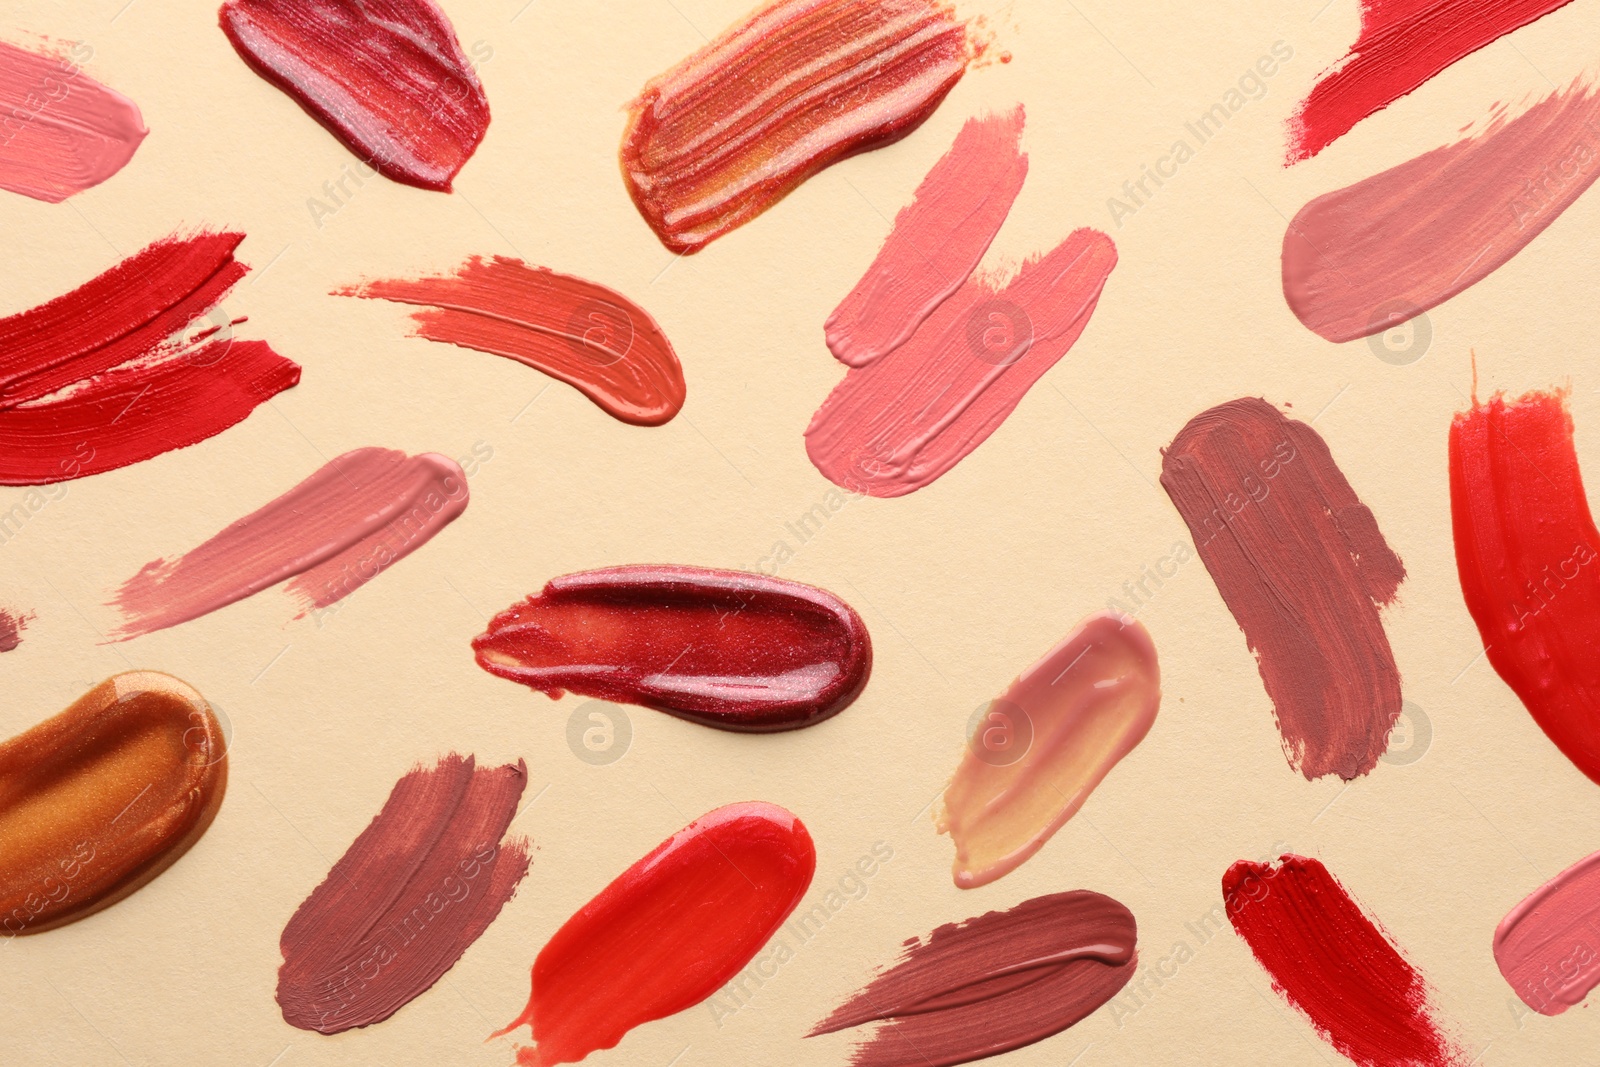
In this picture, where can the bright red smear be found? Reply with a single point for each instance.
(1526, 549)
(145, 375)
(386, 77)
(727, 649)
(1332, 963)
(1403, 43)
(668, 932)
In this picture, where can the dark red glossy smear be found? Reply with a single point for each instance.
(147, 375)
(386, 77)
(727, 649)
(1332, 963)
(795, 88)
(1403, 43)
(994, 983)
(668, 932)
(1529, 559)
(1299, 560)
(421, 883)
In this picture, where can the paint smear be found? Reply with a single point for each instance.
(894, 426)
(936, 241)
(1403, 43)
(63, 132)
(668, 932)
(327, 537)
(12, 623)
(416, 889)
(579, 332)
(1335, 965)
(993, 983)
(137, 362)
(1365, 258)
(728, 649)
(386, 77)
(1546, 945)
(105, 796)
(1300, 562)
(798, 86)
(1526, 551)
(1043, 746)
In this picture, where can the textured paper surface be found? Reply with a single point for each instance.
(961, 583)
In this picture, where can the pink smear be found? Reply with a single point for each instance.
(1368, 257)
(12, 623)
(331, 534)
(1403, 43)
(893, 427)
(936, 242)
(61, 131)
(1547, 946)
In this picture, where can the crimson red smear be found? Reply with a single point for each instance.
(146, 375)
(669, 932)
(1332, 963)
(1526, 549)
(1403, 43)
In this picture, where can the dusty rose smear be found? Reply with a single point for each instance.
(328, 536)
(12, 623)
(1368, 257)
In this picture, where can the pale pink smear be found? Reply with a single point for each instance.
(936, 241)
(331, 534)
(896, 425)
(61, 131)
(1548, 947)
(1368, 257)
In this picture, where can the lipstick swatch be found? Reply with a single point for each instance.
(1526, 550)
(668, 932)
(416, 889)
(1045, 744)
(63, 132)
(12, 623)
(146, 374)
(936, 241)
(798, 86)
(579, 332)
(352, 519)
(1300, 562)
(727, 649)
(103, 797)
(1546, 946)
(900, 422)
(993, 983)
(386, 77)
(1365, 258)
(1335, 965)
(1403, 43)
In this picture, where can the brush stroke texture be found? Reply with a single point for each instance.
(1546, 946)
(997, 982)
(1360, 260)
(936, 241)
(901, 422)
(1300, 562)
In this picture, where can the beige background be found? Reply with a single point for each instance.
(962, 584)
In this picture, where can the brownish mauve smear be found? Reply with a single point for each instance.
(100, 799)
(421, 883)
(1301, 564)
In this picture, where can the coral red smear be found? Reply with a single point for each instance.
(145, 375)
(1332, 963)
(668, 932)
(1526, 550)
(1403, 43)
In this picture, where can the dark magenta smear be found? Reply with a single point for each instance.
(1403, 43)
(727, 649)
(422, 882)
(1529, 556)
(1334, 964)
(386, 77)
(147, 375)
(994, 983)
